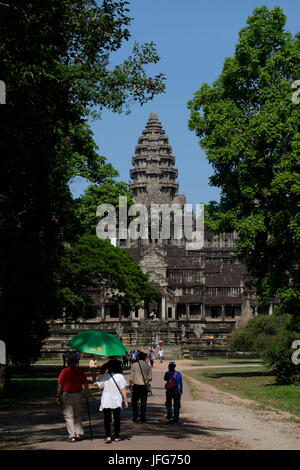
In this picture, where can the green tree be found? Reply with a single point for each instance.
(272, 337)
(259, 332)
(249, 128)
(55, 63)
(108, 192)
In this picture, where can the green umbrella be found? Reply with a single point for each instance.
(97, 342)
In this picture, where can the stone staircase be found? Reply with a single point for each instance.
(179, 337)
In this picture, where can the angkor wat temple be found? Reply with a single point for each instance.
(203, 293)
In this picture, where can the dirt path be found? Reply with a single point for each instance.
(215, 421)
(236, 418)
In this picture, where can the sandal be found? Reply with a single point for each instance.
(118, 439)
(71, 439)
(108, 440)
(78, 437)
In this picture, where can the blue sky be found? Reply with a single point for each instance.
(193, 38)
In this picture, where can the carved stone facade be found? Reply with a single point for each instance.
(203, 294)
(208, 284)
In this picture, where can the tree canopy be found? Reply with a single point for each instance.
(273, 337)
(55, 62)
(248, 126)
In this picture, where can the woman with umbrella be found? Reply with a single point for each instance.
(114, 386)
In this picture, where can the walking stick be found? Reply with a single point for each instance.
(90, 425)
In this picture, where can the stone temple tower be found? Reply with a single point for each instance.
(154, 181)
(153, 176)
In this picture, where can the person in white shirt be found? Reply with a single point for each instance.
(160, 355)
(93, 368)
(114, 386)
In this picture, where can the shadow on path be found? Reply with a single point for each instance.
(41, 421)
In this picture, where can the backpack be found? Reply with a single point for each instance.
(171, 383)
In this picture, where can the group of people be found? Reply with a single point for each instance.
(133, 356)
(72, 380)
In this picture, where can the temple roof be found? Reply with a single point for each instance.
(153, 171)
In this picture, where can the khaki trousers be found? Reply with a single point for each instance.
(72, 411)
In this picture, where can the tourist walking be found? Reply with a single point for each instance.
(152, 315)
(64, 357)
(69, 386)
(77, 355)
(125, 360)
(174, 389)
(151, 358)
(133, 356)
(139, 383)
(160, 355)
(114, 386)
(93, 368)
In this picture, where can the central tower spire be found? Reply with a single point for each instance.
(153, 176)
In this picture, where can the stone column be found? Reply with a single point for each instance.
(223, 312)
(271, 309)
(163, 307)
(120, 312)
(200, 314)
(188, 311)
(173, 312)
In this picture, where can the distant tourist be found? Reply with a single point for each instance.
(93, 368)
(77, 355)
(114, 386)
(64, 357)
(160, 355)
(125, 360)
(151, 357)
(174, 391)
(133, 357)
(69, 387)
(152, 315)
(139, 383)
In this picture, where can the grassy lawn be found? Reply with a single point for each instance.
(27, 389)
(218, 361)
(38, 384)
(252, 383)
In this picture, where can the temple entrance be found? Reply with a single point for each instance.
(195, 310)
(112, 311)
(180, 311)
(153, 307)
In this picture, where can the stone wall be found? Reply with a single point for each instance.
(187, 338)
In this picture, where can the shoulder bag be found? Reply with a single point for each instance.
(148, 386)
